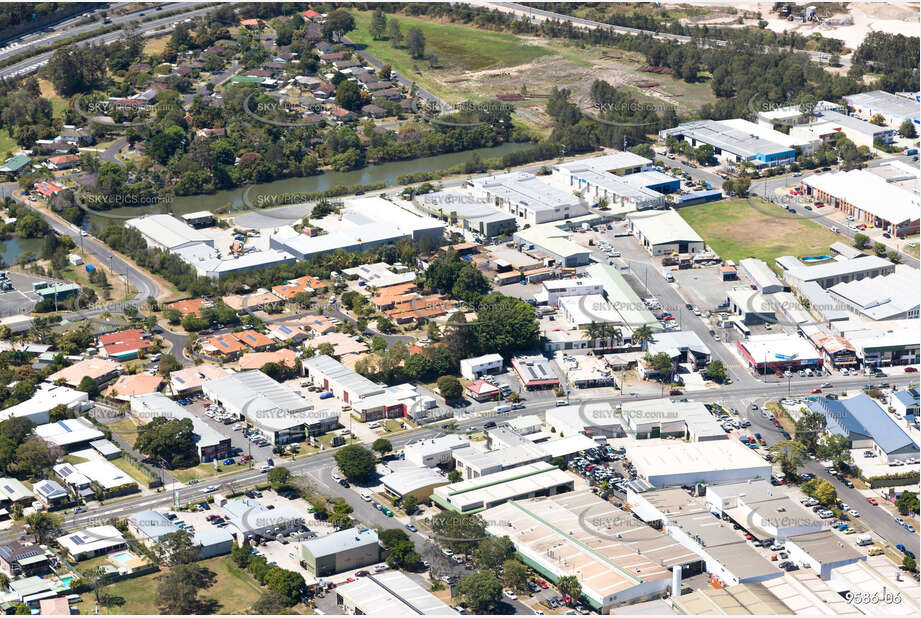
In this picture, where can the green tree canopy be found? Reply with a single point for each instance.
(356, 462)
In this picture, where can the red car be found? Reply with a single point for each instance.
(873, 501)
(816, 390)
(674, 392)
(362, 573)
(911, 370)
(544, 585)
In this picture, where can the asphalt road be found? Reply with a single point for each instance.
(143, 283)
(540, 15)
(40, 59)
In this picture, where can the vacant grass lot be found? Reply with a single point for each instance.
(7, 144)
(457, 48)
(234, 590)
(736, 230)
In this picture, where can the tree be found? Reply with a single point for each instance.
(663, 365)
(835, 447)
(825, 493)
(514, 575)
(338, 23)
(43, 526)
(894, 256)
(348, 95)
(270, 603)
(569, 585)
(480, 591)
(716, 372)
(378, 24)
(878, 120)
(909, 564)
(173, 316)
(385, 325)
(393, 32)
(169, 364)
(789, 453)
(450, 387)
(278, 477)
(172, 440)
(505, 325)
(410, 502)
(181, 583)
(907, 502)
(88, 385)
(879, 249)
(355, 462)
(382, 446)
(907, 129)
(288, 584)
(491, 552)
(455, 476)
(809, 427)
(861, 241)
(35, 458)
(415, 43)
(642, 335)
(461, 533)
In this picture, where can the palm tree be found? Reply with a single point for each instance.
(642, 334)
(594, 331)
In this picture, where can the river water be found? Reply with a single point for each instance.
(384, 172)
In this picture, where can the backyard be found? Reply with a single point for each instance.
(735, 230)
(234, 590)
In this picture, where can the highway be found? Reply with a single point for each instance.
(32, 64)
(541, 15)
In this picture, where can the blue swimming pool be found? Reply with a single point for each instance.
(122, 557)
(64, 582)
(815, 258)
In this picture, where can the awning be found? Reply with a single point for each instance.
(33, 560)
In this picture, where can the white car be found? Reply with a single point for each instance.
(510, 595)
(336, 476)
(381, 567)
(853, 513)
(366, 497)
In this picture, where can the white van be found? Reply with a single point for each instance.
(502, 409)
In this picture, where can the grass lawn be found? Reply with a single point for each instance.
(7, 144)
(233, 589)
(131, 470)
(58, 104)
(737, 230)
(203, 471)
(457, 47)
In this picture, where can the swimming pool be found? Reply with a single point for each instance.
(815, 258)
(122, 557)
(64, 582)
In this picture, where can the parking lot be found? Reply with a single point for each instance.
(239, 441)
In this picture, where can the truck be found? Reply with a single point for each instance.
(667, 273)
(864, 539)
(911, 151)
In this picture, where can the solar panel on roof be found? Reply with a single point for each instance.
(76, 540)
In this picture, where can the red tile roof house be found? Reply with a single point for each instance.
(191, 306)
(62, 162)
(123, 345)
(255, 339)
(341, 114)
(481, 390)
(226, 346)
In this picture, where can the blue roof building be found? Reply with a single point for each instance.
(866, 425)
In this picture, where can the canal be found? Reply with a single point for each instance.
(233, 198)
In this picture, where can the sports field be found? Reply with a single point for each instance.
(736, 230)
